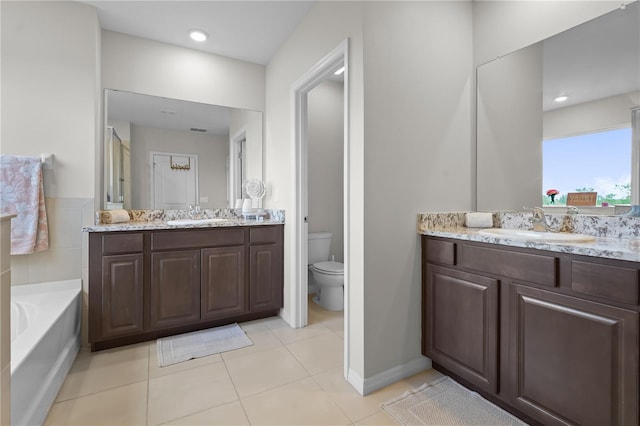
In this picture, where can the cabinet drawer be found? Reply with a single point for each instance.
(611, 282)
(122, 243)
(264, 235)
(537, 268)
(441, 252)
(197, 238)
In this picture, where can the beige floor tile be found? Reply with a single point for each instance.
(125, 405)
(420, 379)
(188, 392)
(318, 354)
(231, 414)
(392, 391)
(263, 339)
(97, 371)
(288, 335)
(382, 418)
(155, 371)
(255, 325)
(299, 403)
(264, 370)
(354, 405)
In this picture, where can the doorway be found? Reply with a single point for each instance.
(174, 180)
(322, 71)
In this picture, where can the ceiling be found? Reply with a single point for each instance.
(250, 31)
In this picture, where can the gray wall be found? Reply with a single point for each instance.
(326, 162)
(212, 152)
(509, 165)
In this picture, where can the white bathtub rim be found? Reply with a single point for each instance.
(25, 343)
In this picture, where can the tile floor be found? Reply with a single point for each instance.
(288, 377)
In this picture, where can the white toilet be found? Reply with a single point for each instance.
(327, 276)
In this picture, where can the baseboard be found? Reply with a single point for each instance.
(356, 381)
(387, 377)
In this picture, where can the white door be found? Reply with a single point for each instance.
(174, 181)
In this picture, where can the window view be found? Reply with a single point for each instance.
(594, 162)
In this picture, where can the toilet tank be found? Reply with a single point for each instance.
(319, 246)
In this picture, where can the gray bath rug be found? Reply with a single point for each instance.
(445, 402)
(183, 347)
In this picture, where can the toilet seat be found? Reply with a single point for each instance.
(329, 268)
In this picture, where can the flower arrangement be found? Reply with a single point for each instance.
(552, 193)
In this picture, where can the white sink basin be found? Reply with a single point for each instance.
(547, 237)
(178, 222)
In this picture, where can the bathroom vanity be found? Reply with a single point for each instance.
(150, 283)
(547, 332)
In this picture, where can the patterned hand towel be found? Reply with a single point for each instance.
(22, 193)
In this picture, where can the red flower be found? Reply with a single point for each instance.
(552, 192)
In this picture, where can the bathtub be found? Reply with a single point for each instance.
(45, 339)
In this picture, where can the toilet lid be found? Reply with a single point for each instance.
(330, 267)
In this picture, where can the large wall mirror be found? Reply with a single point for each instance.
(596, 65)
(166, 153)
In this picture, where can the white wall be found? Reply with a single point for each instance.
(418, 86)
(50, 103)
(49, 98)
(417, 124)
(313, 39)
(153, 68)
(602, 114)
(212, 152)
(326, 162)
(501, 27)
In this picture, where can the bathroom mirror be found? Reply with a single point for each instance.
(162, 153)
(595, 64)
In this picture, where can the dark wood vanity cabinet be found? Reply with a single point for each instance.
(149, 284)
(462, 324)
(552, 336)
(174, 291)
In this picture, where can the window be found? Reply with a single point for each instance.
(598, 161)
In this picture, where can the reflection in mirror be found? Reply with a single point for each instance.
(166, 154)
(595, 65)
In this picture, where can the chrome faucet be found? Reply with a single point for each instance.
(195, 211)
(539, 220)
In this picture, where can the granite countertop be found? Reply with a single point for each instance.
(613, 238)
(151, 220)
(161, 224)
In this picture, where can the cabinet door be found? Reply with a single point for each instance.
(120, 312)
(175, 289)
(461, 323)
(223, 282)
(265, 281)
(572, 361)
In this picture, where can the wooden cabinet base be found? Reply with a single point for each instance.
(149, 284)
(551, 337)
(145, 337)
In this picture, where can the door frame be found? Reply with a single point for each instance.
(152, 179)
(321, 71)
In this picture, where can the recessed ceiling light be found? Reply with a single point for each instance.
(561, 99)
(198, 35)
(340, 71)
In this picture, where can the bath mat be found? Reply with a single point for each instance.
(445, 402)
(183, 347)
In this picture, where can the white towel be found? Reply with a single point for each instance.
(478, 220)
(22, 193)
